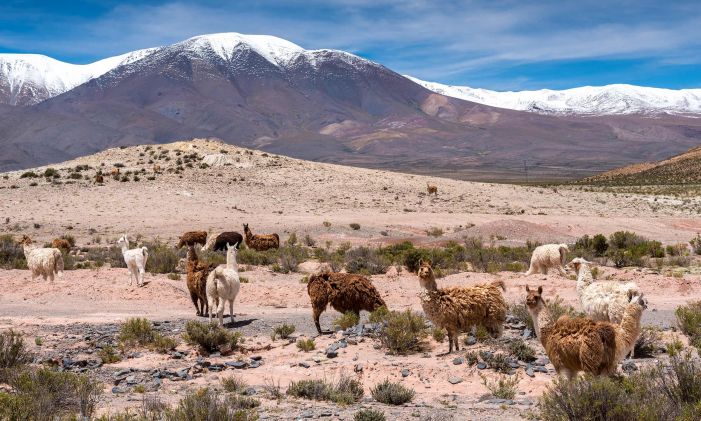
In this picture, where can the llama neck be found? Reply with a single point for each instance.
(584, 278)
(629, 330)
(428, 282)
(191, 255)
(231, 261)
(247, 232)
(541, 319)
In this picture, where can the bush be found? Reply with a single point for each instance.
(206, 404)
(306, 345)
(520, 313)
(354, 226)
(346, 391)
(29, 174)
(369, 415)
(505, 387)
(392, 393)
(438, 334)
(520, 350)
(11, 253)
(629, 249)
(379, 315)
(403, 332)
(139, 332)
(161, 258)
(283, 331)
(108, 355)
(434, 232)
(234, 384)
(689, 321)
(51, 173)
(365, 261)
(13, 353)
(648, 343)
(696, 243)
(211, 337)
(349, 319)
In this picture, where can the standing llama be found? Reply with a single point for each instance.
(432, 189)
(458, 309)
(135, 260)
(582, 344)
(46, 262)
(548, 256)
(197, 281)
(223, 285)
(261, 242)
(192, 237)
(344, 291)
(218, 241)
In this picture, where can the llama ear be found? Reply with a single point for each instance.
(540, 290)
(630, 295)
(528, 289)
(236, 245)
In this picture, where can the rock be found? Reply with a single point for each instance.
(332, 347)
(405, 372)
(254, 364)
(481, 365)
(67, 362)
(358, 368)
(629, 366)
(454, 379)
(540, 369)
(527, 333)
(182, 373)
(326, 413)
(529, 372)
(306, 414)
(496, 401)
(215, 355)
(249, 391)
(121, 374)
(157, 383)
(131, 380)
(331, 354)
(257, 357)
(458, 361)
(236, 364)
(304, 364)
(541, 361)
(342, 343)
(514, 364)
(470, 340)
(117, 390)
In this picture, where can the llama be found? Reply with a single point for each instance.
(218, 241)
(46, 262)
(582, 344)
(223, 285)
(99, 179)
(548, 256)
(344, 291)
(602, 301)
(61, 244)
(114, 172)
(197, 281)
(157, 169)
(135, 260)
(458, 309)
(191, 238)
(261, 242)
(432, 189)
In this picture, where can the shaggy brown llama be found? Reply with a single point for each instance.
(344, 291)
(582, 344)
(99, 179)
(261, 242)
(197, 281)
(459, 309)
(61, 244)
(432, 189)
(192, 237)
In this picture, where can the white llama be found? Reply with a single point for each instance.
(46, 262)
(223, 285)
(135, 260)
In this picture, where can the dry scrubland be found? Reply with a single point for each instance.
(327, 216)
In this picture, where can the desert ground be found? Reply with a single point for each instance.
(283, 195)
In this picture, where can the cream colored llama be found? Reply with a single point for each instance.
(46, 262)
(135, 260)
(223, 285)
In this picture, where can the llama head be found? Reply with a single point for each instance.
(637, 298)
(577, 263)
(25, 240)
(123, 240)
(425, 269)
(245, 228)
(231, 252)
(534, 298)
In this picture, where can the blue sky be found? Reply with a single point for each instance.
(496, 44)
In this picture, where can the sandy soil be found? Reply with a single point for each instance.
(286, 195)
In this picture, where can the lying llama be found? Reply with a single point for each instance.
(261, 242)
(223, 285)
(61, 244)
(344, 291)
(46, 262)
(197, 281)
(218, 241)
(603, 301)
(135, 260)
(548, 256)
(432, 189)
(458, 309)
(191, 238)
(582, 344)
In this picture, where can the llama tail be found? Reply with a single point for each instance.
(498, 283)
(58, 265)
(563, 253)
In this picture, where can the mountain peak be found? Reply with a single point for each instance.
(276, 50)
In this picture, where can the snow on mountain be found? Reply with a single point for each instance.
(27, 79)
(587, 100)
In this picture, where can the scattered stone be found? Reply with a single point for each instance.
(131, 380)
(405, 372)
(514, 364)
(454, 379)
(117, 390)
(458, 361)
(629, 366)
(481, 365)
(304, 364)
(249, 392)
(254, 364)
(236, 364)
(540, 369)
(257, 357)
(358, 368)
(529, 372)
(527, 333)
(471, 340)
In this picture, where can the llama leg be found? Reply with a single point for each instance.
(317, 314)
(456, 338)
(561, 270)
(220, 310)
(195, 299)
(51, 277)
(531, 270)
(450, 342)
(231, 310)
(142, 272)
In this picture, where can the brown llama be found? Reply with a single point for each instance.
(99, 179)
(459, 309)
(114, 172)
(218, 241)
(191, 238)
(344, 291)
(582, 344)
(432, 189)
(261, 242)
(157, 169)
(197, 273)
(61, 244)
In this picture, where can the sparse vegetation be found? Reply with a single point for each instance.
(438, 334)
(519, 349)
(108, 355)
(349, 319)
(434, 232)
(11, 253)
(354, 226)
(283, 331)
(346, 391)
(648, 343)
(161, 258)
(211, 337)
(207, 404)
(689, 321)
(403, 332)
(392, 393)
(13, 353)
(234, 384)
(139, 332)
(369, 415)
(306, 345)
(505, 387)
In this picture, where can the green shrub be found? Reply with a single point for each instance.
(520, 313)
(108, 355)
(354, 226)
(209, 405)
(392, 393)
(306, 345)
(161, 258)
(346, 391)
(349, 319)
(234, 384)
(211, 337)
(648, 343)
(505, 387)
(13, 353)
(696, 243)
(249, 256)
(11, 253)
(438, 334)
(379, 315)
(51, 173)
(403, 332)
(369, 415)
(519, 349)
(689, 321)
(283, 331)
(139, 332)
(434, 232)
(496, 361)
(29, 174)
(365, 261)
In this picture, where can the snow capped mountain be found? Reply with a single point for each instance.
(27, 79)
(587, 100)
